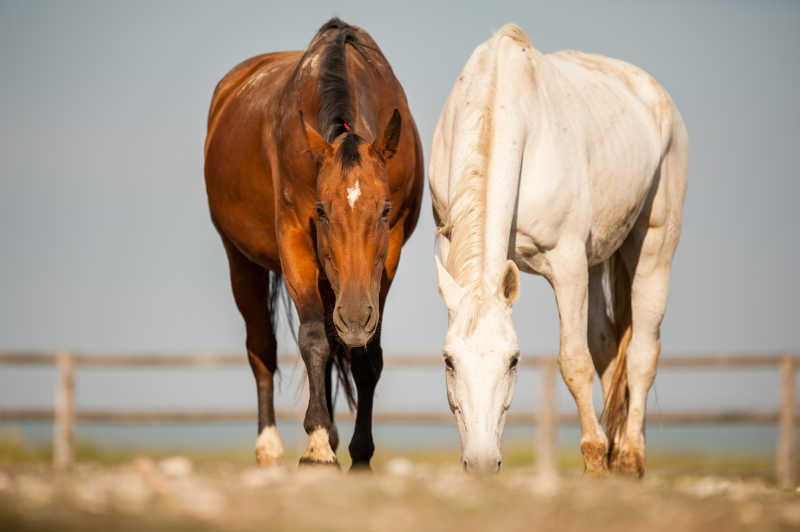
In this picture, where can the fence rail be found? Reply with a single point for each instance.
(64, 414)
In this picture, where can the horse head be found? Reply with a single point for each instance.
(352, 217)
(481, 354)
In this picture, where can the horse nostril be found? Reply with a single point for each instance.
(369, 315)
(340, 323)
(499, 463)
(465, 465)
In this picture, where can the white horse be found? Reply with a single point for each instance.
(572, 166)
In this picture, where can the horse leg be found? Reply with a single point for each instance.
(318, 423)
(570, 281)
(250, 290)
(647, 256)
(367, 365)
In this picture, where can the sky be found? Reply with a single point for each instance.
(107, 245)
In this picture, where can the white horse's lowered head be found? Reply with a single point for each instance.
(480, 347)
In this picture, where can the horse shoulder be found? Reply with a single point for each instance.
(238, 183)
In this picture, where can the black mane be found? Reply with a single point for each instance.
(336, 107)
(348, 152)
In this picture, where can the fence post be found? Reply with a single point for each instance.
(785, 467)
(64, 415)
(546, 431)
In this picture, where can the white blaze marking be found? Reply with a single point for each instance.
(353, 193)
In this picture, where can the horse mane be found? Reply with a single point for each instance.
(466, 216)
(336, 102)
(336, 106)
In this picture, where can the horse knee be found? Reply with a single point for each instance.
(576, 366)
(313, 342)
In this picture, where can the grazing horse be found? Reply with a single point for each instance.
(571, 166)
(314, 174)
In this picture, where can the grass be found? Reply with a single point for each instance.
(15, 450)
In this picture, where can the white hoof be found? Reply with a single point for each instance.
(319, 448)
(269, 448)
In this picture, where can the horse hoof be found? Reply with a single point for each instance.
(310, 463)
(594, 458)
(269, 449)
(630, 462)
(360, 467)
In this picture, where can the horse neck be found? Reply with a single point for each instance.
(487, 189)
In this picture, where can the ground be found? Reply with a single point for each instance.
(407, 491)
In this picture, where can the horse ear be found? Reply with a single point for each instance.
(449, 289)
(387, 146)
(319, 147)
(509, 283)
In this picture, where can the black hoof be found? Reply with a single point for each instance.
(360, 467)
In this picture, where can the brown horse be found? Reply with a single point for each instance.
(314, 172)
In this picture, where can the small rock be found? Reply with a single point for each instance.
(702, 487)
(400, 467)
(131, 493)
(91, 495)
(545, 484)
(201, 501)
(34, 490)
(257, 477)
(143, 465)
(175, 466)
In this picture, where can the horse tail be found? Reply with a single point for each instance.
(342, 360)
(278, 295)
(615, 410)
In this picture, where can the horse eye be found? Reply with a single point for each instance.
(321, 214)
(387, 208)
(448, 363)
(514, 363)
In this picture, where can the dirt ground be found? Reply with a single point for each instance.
(405, 492)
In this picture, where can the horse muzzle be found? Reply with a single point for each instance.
(355, 324)
(481, 460)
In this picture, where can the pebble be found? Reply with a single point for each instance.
(34, 490)
(131, 493)
(256, 477)
(91, 495)
(400, 467)
(143, 465)
(175, 466)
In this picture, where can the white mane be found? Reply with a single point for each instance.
(465, 219)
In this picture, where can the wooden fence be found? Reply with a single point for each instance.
(64, 415)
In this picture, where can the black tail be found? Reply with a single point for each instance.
(277, 292)
(342, 359)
